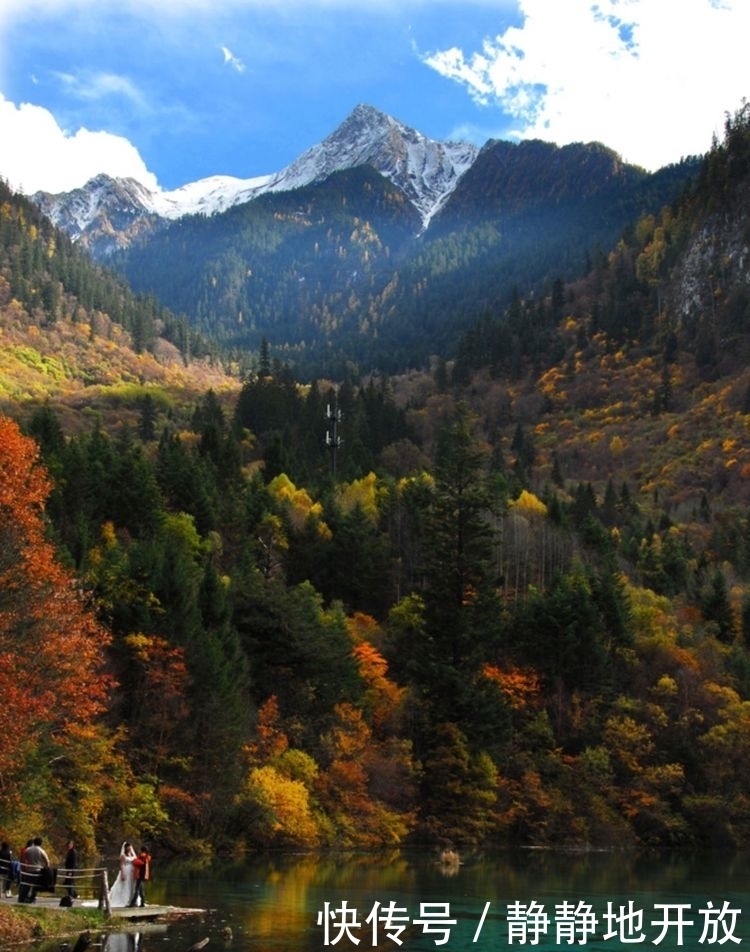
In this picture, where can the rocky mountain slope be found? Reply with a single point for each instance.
(376, 248)
(109, 213)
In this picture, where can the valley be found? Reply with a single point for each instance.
(515, 609)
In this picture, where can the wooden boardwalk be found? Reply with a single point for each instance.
(93, 886)
(154, 912)
(49, 901)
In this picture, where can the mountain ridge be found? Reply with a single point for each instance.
(109, 213)
(378, 245)
(424, 169)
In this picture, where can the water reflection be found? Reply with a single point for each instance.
(122, 942)
(271, 904)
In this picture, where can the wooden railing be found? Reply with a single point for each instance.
(84, 883)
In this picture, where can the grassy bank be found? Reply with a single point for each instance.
(19, 926)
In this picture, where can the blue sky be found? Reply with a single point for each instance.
(171, 91)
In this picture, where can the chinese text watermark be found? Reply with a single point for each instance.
(568, 923)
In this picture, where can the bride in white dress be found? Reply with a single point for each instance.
(121, 893)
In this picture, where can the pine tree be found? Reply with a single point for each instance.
(717, 608)
(461, 603)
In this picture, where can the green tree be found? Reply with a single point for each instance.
(562, 633)
(359, 563)
(187, 483)
(459, 788)
(462, 610)
(147, 421)
(717, 608)
(295, 649)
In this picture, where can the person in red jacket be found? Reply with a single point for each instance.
(142, 870)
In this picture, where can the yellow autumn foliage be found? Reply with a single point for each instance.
(280, 808)
(528, 505)
(360, 492)
(300, 504)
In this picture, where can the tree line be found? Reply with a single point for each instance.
(463, 626)
(422, 651)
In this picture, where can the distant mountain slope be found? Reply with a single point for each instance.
(508, 178)
(337, 274)
(637, 373)
(376, 248)
(74, 335)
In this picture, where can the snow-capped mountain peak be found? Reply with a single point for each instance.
(108, 212)
(425, 170)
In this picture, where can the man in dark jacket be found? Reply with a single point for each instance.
(71, 863)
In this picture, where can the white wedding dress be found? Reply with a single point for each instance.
(121, 893)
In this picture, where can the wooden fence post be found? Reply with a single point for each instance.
(104, 894)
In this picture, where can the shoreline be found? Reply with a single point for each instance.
(21, 923)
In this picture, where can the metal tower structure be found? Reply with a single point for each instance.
(333, 439)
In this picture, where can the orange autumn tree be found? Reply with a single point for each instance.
(276, 805)
(364, 788)
(158, 688)
(53, 685)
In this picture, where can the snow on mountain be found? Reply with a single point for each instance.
(207, 196)
(108, 212)
(121, 201)
(75, 211)
(425, 170)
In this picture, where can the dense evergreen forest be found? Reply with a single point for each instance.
(507, 601)
(340, 277)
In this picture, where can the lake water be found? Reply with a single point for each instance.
(497, 900)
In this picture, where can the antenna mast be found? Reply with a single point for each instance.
(333, 440)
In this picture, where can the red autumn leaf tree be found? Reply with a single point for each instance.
(53, 682)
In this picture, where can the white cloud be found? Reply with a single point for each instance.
(92, 86)
(649, 78)
(36, 154)
(232, 60)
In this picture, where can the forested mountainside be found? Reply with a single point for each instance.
(512, 605)
(340, 274)
(72, 331)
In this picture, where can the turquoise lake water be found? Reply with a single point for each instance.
(410, 901)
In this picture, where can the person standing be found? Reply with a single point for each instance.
(121, 893)
(70, 863)
(23, 878)
(36, 864)
(6, 867)
(142, 868)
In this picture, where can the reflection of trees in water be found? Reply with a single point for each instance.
(449, 861)
(295, 884)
